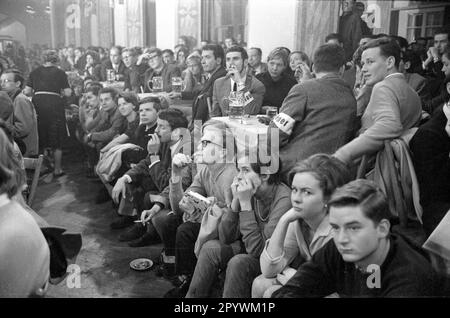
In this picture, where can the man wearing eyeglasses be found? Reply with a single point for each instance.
(161, 69)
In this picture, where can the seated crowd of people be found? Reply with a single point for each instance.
(326, 221)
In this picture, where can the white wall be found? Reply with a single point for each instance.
(271, 24)
(120, 23)
(166, 11)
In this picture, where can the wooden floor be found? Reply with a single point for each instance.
(69, 201)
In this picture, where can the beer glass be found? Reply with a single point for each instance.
(236, 105)
(177, 83)
(157, 84)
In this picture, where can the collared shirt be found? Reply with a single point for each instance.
(4, 200)
(393, 74)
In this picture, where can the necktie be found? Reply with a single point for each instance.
(235, 87)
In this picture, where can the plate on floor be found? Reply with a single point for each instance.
(141, 264)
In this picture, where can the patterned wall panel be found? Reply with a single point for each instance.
(315, 19)
(188, 19)
(135, 30)
(104, 23)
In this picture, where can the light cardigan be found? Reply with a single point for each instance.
(295, 245)
(394, 107)
(24, 253)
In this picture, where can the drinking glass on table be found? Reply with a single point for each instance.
(110, 75)
(177, 84)
(157, 84)
(236, 105)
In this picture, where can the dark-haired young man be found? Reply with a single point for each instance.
(314, 108)
(394, 106)
(237, 80)
(157, 67)
(364, 259)
(151, 176)
(213, 59)
(107, 123)
(24, 120)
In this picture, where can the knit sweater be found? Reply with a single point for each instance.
(394, 107)
(404, 273)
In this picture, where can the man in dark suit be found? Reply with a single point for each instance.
(115, 63)
(318, 115)
(213, 59)
(237, 79)
(159, 68)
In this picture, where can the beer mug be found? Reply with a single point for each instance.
(236, 105)
(110, 75)
(177, 83)
(157, 84)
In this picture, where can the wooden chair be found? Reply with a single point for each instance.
(33, 164)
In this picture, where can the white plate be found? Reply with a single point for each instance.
(141, 264)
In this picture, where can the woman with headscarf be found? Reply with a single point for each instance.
(48, 83)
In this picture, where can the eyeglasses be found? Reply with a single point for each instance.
(153, 57)
(5, 80)
(205, 143)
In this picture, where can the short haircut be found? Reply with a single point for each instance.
(174, 117)
(328, 58)
(388, 47)
(18, 75)
(275, 177)
(129, 97)
(155, 100)
(168, 51)
(401, 41)
(118, 48)
(94, 89)
(236, 48)
(224, 130)
(303, 56)
(131, 50)
(414, 59)
(284, 48)
(257, 49)
(112, 91)
(443, 30)
(217, 51)
(329, 171)
(279, 53)
(334, 36)
(155, 50)
(364, 194)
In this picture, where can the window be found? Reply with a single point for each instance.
(423, 24)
